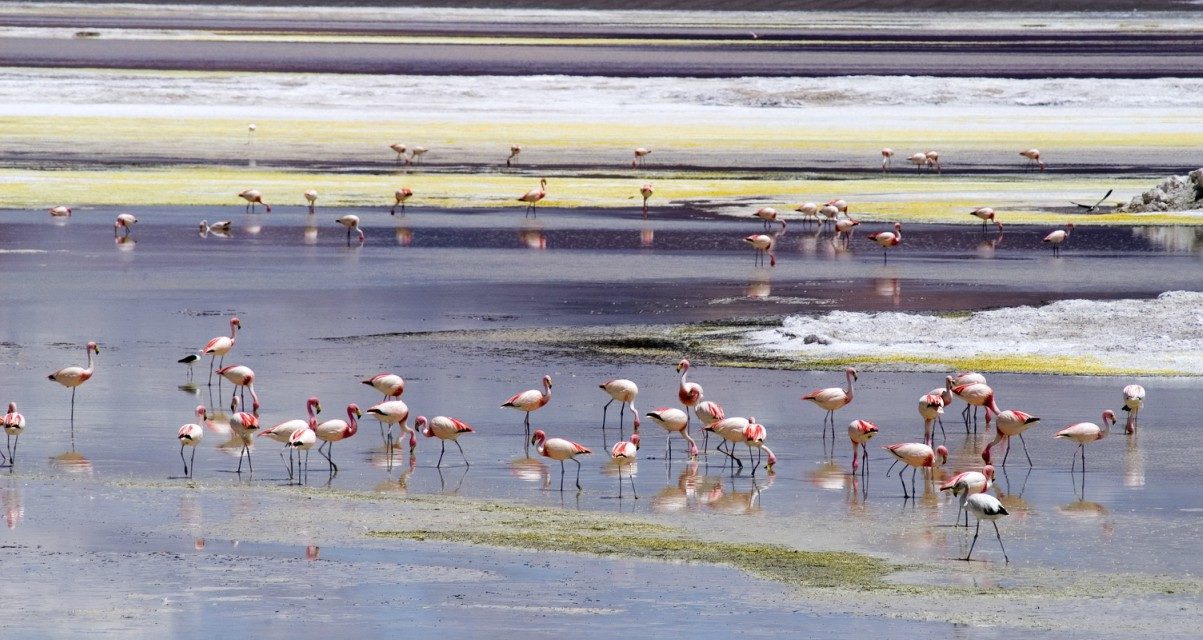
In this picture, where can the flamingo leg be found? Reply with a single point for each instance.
(631, 476)
(192, 462)
(914, 492)
(943, 435)
(668, 446)
(289, 463)
(605, 410)
(619, 482)
(461, 452)
(1025, 449)
(975, 532)
(330, 456)
(12, 455)
(1074, 464)
(578, 474)
(183, 460)
(561, 475)
(622, 414)
(1000, 544)
(1007, 452)
(442, 450)
(306, 463)
(864, 457)
(903, 482)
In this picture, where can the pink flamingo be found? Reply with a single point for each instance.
(831, 399)
(916, 456)
(829, 213)
(887, 240)
(532, 197)
(253, 197)
(624, 391)
(190, 435)
(1084, 433)
(301, 440)
(886, 155)
(444, 428)
(515, 149)
(731, 430)
(1007, 424)
(646, 191)
(762, 243)
(243, 378)
(391, 385)
(641, 154)
(220, 346)
(13, 423)
(401, 195)
(244, 425)
(968, 482)
(1134, 399)
(625, 454)
(985, 214)
(931, 407)
(933, 159)
(395, 412)
(919, 160)
(124, 221)
(754, 436)
(1059, 237)
(809, 210)
(311, 198)
(60, 211)
(708, 413)
(351, 222)
(860, 432)
(674, 421)
(689, 393)
(530, 400)
(283, 431)
(1033, 156)
(843, 229)
(767, 215)
(560, 449)
(332, 431)
(975, 394)
(72, 377)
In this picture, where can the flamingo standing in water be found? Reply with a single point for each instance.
(400, 195)
(985, 214)
(674, 421)
(311, 197)
(1033, 156)
(1058, 237)
(400, 149)
(754, 436)
(332, 431)
(831, 399)
(731, 430)
(124, 221)
(415, 154)
(625, 454)
(530, 400)
(60, 211)
(933, 159)
(829, 213)
(13, 423)
(243, 378)
(72, 377)
(886, 155)
(1007, 424)
(624, 391)
(1084, 433)
(220, 346)
(395, 412)
(391, 385)
(984, 506)
(860, 432)
(689, 393)
(975, 394)
(708, 413)
(843, 230)
(560, 449)
(968, 482)
(244, 425)
(515, 149)
(641, 154)
(767, 215)
(351, 222)
(762, 243)
(919, 160)
(809, 210)
(444, 428)
(931, 407)
(646, 191)
(190, 435)
(1134, 399)
(253, 197)
(916, 456)
(532, 197)
(887, 240)
(301, 440)
(283, 431)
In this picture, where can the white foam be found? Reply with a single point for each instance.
(1165, 333)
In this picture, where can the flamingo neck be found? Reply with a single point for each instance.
(89, 362)
(233, 330)
(352, 423)
(849, 392)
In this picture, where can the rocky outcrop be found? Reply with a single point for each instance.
(1175, 193)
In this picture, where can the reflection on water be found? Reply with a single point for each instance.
(382, 458)
(647, 237)
(533, 238)
(309, 236)
(72, 462)
(760, 288)
(1134, 464)
(890, 288)
(989, 245)
(14, 506)
(312, 552)
(1177, 239)
(531, 470)
(125, 243)
(403, 234)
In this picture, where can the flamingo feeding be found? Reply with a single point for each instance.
(931, 407)
(311, 198)
(395, 412)
(933, 160)
(887, 240)
(415, 154)
(400, 149)
(975, 394)
(1134, 399)
(767, 215)
(244, 425)
(1007, 424)
(984, 506)
(843, 230)
(351, 222)
(674, 421)
(220, 346)
(646, 191)
(831, 399)
(763, 244)
(560, 449)
(530, 400)
(730, 430)
(72, 377)
(860, 432)
(60, 211)
(985, 214)
(754, 436)
(1033, 156)
(532, 197)
(809, 210)
(124, 221)
(916, 456)
(13, 423)
(641, 154)
(1059, 237)
(515, 149)
(400, 195)
(624, 454)
(829, 213)
(190, 435)
(886, 155)
(444, 428)
(968, 482)
(624, 391)
(242, 378)
(253, 197)
(1084, 433)
(919, 160)
(332, 431)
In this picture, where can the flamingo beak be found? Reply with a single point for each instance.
(358, 414)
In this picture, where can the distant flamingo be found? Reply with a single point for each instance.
(624, 391)
(968, 482)
(530, 400)
(515, 149)
(244, 426)
(916, 456)
(13, 423)
(401, 195)
(931, 407)
(886, 155)
(243, 378)
(351, 222)
(933, 159)
(311, 197)
(919, 160)
(400, 149)
(829, 213)
(843, 229)
(60, 211)
(560, 449)
(809, 210)
(1058, 237)
(72, 377)
(220, 346)
(762, 243)
(984, 506)
(250, 133)
(332, 431)
(860, 432)
(253, 197)
(985, 214)
(415, 154)
(625, 454)
(767, 215)
(674, 421)
(887, 240)
(1008, 423)
(395, 412)
(1134, 399)
(831, 399)
(444, 428)
(1084, 433)
(124, 221)
(1033, 156)
(754, 436)
(646, 191)
(532, 197)
(840, 205)
(190, 435)
(641, 154)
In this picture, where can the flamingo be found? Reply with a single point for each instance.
(1033, 156)
(400, 149)
(72, 377)
(674, 421)
(841, 205)
(302, 439)
(767, 215)
(708, 413)
(244, 425)
(190, 435)
(754, 436)
(646, 191)
(624, 391)
(985, 214)
(1007, 424)
(730, 430)
(391, 385)
(416, 153)
(968, 482)
(332, 431)
(13, 423)
(444, 429)
(124, 221)
(808, 210)
(919, 160)
(886, 154)
(887, 240)
(917, 456)
(975, 394)
(395, 412)
(530, 400)
(220, 346)
(250, 133)
(1134, 399)
(933, 159)
(624, 454)
(253, 197)
(60, 211)
(242, 377)
(351, 222)
(1058, 237)
(762, 243)
(1086, 432)
(560, 449)
(311, 197)
(401, 195)
(283, 431)
(860, 432)
(532, 197)
(689, 393)
(188, 361)
(515, 149)
(984, 506)
(831, 399)
(641, 154)
(221, 226)
(843, 229)
(931, 407)
(829, 213)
